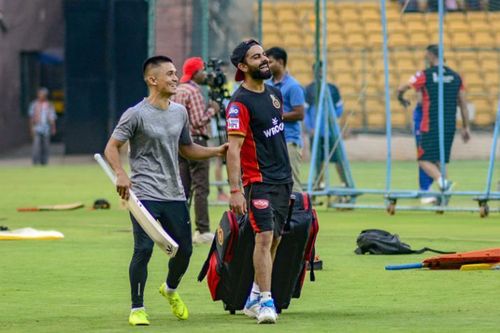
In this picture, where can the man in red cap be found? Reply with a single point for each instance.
(258, 167)
(195, 174)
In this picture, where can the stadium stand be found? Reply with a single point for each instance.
(354, 43)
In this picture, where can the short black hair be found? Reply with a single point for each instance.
(277, 53)
(154, 61)
(434, 49)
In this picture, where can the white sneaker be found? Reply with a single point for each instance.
(267, 313)
(203, 238)
(252, 308)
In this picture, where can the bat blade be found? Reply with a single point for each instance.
(151, 226)
(63, 207)
(148, 223)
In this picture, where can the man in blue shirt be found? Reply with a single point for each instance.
(293, 109)
(310, 123)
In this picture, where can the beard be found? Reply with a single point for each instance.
(260, 74)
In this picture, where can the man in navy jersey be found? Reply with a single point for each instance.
(426, 82)
(258, 167)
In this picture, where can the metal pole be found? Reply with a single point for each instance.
(317, 55)
(314, 151)
(441, 95)
(259, 20)
(388, 127)
(204, 29)
(493, 153)
(151, 27)
(318, 96)
(324, 101)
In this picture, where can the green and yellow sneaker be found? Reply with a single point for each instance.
(179, 309)
(138, 317)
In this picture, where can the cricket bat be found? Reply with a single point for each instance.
(480, 267)
(71, 206)
(148, 223)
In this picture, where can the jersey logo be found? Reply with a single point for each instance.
(233, 124)
(220, 236)
(277, 128)
(446, 78)
(234, 111)
(260, 203)
(276, 101)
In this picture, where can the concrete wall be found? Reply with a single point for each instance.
(32, 25)
(173, 29)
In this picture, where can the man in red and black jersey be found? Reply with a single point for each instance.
(258, 167)
(426, 82)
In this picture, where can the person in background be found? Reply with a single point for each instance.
(293, 109)
(424, 180)
(310, 123)
(42, 126)
(195, 173)
(426, 82)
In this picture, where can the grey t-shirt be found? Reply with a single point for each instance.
(154, 136)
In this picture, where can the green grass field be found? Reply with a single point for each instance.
(80, 284)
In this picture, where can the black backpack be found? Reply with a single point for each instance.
(375, 241)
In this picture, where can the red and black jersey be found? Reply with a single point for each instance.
(427, 82)
(259, 118)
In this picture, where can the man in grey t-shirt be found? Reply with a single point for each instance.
(157, 130)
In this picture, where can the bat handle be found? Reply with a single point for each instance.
(105, 167)
(404, 266)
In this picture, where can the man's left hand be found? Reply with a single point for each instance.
(214, 105)
(465, 132)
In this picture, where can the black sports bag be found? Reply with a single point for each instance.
(375, 241)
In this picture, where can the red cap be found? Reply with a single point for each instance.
(190, 67)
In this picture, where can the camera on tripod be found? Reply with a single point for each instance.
(216, 81)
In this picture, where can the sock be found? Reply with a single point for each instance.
(137, 309)
(255, 293)
(265, 296)
(441, 182)
(169, 290)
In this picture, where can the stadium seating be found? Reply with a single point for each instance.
(354, 41)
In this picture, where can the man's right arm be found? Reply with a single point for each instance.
(124, 131)
(401, 92)
(112, 153)
(237, 200)
(416, 82)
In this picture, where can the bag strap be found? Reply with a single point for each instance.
(206, 264)
(312, 277)
(286, 227)
(431, 250)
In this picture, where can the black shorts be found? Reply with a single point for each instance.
(428, 147)
(173, 217)
(268, 206)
